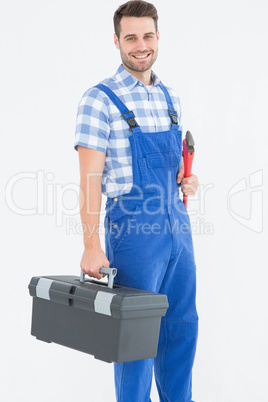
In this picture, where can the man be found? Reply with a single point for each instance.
(129, 141)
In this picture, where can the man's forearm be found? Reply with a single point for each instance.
(90, 205)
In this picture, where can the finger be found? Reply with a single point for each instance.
(191, 180)
(99, 275)
(96, 275)
(180, 175)
(193, 186)
(189, 189)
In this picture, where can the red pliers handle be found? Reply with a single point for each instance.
(188, 156)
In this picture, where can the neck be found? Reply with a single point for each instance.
(143, 76)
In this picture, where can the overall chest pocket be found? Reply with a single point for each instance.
(159, 167)
(163, 159)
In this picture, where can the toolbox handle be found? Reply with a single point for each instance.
(111, 272)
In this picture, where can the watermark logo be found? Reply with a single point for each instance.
(38, 193)
(49, 197)
(251, 192)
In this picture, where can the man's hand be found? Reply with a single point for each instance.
(92, 260)
(189, 185)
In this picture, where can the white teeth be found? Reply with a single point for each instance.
(142, 57)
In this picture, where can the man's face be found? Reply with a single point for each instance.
(138, 43)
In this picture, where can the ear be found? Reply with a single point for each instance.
(116, 41)
(157, 34)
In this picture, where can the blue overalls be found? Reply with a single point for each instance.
(148, 239)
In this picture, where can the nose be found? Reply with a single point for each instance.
(141, 45)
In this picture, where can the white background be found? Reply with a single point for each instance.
(214, 53)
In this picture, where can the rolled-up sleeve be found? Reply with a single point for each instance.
(92, 121)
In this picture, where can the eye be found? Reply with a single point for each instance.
(148, 36)
(130, 39)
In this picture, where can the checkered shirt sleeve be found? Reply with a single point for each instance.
(92, 127)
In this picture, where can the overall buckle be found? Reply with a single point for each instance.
(130, 119)
(173, 115)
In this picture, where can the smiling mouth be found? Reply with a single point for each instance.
(141, 56)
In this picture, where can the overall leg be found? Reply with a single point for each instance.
(179, 328)
(141, 258)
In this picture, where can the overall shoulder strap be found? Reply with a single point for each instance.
(171, 110)
(128, 115)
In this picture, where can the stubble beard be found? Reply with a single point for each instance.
(132, 66)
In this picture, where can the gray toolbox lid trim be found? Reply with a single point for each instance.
(118, 302)
(102, 303)
(43, 287)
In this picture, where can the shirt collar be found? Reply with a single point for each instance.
(124, 78)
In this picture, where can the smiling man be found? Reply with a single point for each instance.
(137, 55)
(129, 140)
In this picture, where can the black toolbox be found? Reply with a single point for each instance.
(115, 324)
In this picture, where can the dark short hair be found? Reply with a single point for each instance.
(134, 8)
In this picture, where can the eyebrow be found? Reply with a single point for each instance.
(130, 35)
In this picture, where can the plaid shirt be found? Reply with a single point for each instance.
(100, 126)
